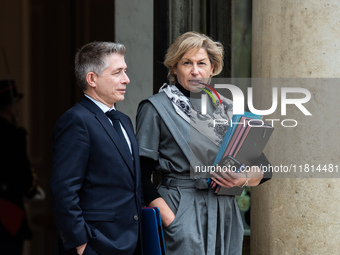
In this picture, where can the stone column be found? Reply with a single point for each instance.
(299, 39)
(134, 28)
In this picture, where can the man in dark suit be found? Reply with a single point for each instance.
(96, 180)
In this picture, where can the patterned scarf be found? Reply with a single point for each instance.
(189, 110)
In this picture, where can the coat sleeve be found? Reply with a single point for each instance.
(265, 166)
(71, 148)
(148, 125)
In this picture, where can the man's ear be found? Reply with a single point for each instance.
(91, 79)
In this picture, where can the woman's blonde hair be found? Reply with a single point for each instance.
(189, 41)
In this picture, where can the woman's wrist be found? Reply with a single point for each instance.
(246, 182)
(254, 176)
(167, 214)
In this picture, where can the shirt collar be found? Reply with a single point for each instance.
(102, 106)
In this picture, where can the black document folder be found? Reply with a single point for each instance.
(251, 147)
(248, 151)
(152, 232)
(245, 143)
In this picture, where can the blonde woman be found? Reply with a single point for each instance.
(173, 137)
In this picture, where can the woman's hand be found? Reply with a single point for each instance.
(167, 214)
(229, 179)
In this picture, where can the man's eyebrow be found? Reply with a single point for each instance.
(119, 69)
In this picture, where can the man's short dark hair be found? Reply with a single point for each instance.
(92, 58)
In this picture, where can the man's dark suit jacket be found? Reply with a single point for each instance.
(95, 183)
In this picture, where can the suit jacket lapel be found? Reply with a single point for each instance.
(103, 119)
